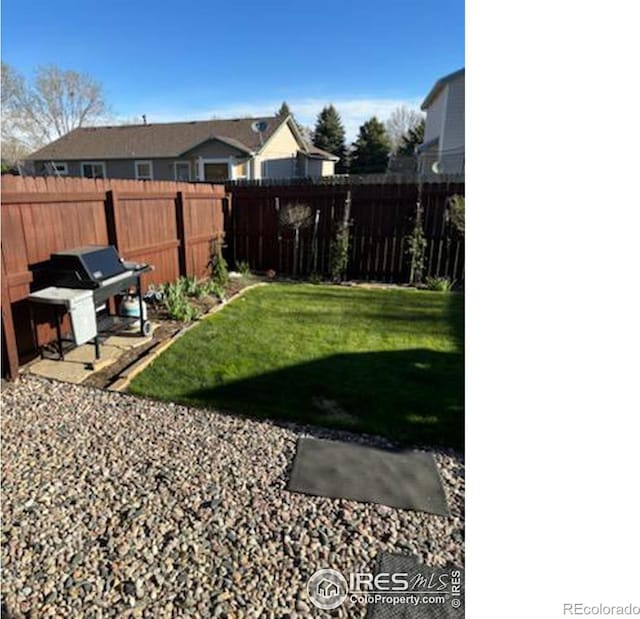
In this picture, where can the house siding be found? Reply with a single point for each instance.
(453, 136)
(215, 149)
(163, 169)
(73, 167)
(320, 167)
(255, 167)
(282, 167)
(434, 124)
(435, 118)
(445, 122)
(314, 167)
(281, 144)
(328, 168)
(279, 155)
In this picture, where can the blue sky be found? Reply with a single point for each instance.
(193, 60)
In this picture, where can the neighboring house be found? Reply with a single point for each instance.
(210, 150)
(442, 151)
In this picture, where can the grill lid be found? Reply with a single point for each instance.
(85, 267)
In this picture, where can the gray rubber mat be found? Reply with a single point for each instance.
(436, 593)
(404, 479)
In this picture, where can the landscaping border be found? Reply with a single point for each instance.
(123, 379)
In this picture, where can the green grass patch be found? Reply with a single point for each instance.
(383, 361)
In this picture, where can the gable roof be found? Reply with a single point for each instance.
(317, 153)
(310, 149)
(439, 86)
(156, 140)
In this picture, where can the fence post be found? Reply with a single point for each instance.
(110, 208)
(346, 220)
(229, 227)
(182, 238)
(314, 244)
(112, 216)
(8, 330)
(276, 202)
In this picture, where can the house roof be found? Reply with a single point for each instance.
(160, 139)
(439, 85)
(317, 153)
(309, 148)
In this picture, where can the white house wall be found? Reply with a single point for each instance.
(256, 168)
(435, 117)
(328, 168)
(281, 144)
(279, 154)
(452, 143)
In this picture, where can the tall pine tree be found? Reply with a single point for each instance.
(371, 149)
(329, 135)
(284, 110)
(412, 138)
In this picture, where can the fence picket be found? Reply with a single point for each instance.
(171, 225)
(139, 217)
(382, 217)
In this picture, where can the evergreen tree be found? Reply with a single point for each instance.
(371, 149)
(414, 137)
(284, 110)
(329, 135)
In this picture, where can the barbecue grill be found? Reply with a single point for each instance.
(80, 281)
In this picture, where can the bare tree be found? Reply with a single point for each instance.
(55, 103)
(14, 146)
(400, 122)
(295, 216)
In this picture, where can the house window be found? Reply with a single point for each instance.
(216, 172)
(94, 169)
(182, 171)
(144, 170)
(60, 168)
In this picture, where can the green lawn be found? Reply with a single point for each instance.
(384, 361)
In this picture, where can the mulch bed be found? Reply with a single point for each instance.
(167, 328)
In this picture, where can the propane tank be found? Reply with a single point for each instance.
(130, 307)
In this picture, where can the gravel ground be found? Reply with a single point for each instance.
(115, 506)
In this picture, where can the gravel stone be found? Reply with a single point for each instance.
(117, 506)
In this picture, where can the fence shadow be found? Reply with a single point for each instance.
(413, 396)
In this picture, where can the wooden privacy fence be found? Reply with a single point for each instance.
(167, 224)
(171, 225)
(382, 216)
